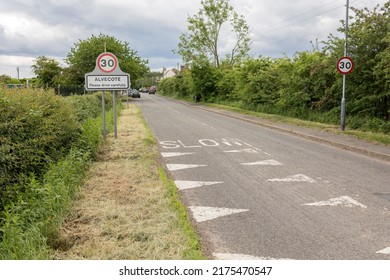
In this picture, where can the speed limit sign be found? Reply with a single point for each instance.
(345, 65)
(107, 62)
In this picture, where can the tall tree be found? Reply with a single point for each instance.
(82, 58)
(369, 46)
(47, 70)
(204, 34)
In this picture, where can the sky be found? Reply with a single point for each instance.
(32, 28)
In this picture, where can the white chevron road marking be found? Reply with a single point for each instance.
(167, 155)
(227, 256)
(343, 201)
(173, 167)
(202, 214)
(183, 185)
(384, 251)
(250, 151)
(264, 162)
(294, 178)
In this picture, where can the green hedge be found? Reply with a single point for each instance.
(36, 197)
(37, 128)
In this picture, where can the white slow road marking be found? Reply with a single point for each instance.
(173, 167)
(264, 162)
(183, 185)
(294, 178)
(226, 256)
(202, 214)
(166, 155)
(343, 201)
(384, 251)
(251, 151)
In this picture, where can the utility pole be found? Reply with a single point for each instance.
(17, 70)
(342, 122)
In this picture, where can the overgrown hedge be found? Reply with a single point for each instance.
(46, 144)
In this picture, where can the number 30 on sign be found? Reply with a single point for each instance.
(345, 65)
(107, 62)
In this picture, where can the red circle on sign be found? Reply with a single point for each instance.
(345, 65)
(107, 62)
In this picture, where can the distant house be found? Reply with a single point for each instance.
(169, 73)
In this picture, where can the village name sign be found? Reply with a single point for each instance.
(107, 75)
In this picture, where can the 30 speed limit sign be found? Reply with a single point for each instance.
(345, 65)
(107, 62)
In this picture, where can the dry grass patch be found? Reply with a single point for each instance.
(125, 209)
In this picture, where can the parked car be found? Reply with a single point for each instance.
(152, 90)
(135, 94)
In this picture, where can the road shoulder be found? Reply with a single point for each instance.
(125, 208)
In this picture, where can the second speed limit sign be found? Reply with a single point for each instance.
(107, 62)
(345, 65)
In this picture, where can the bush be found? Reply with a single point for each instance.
(37, 128)
(90, 105)
(33, 208)
(31, 221)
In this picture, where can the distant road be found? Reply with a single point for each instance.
(254, 192)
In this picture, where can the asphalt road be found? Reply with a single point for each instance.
(254, 192)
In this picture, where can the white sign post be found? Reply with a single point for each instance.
(107, 75)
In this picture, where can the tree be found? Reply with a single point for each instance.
(47, 70)
(369, 47)
(5, 79)
(82, 58)
(204, 31)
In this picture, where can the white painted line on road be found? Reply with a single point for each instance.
(343, 201)
(384, 251)
(202, 214)
(173, 167)
(185, 146)
(166, 155)
(264, 162)
(254, 147)
(294, 178)
(250, 151)
(183, 185)
(226, 256)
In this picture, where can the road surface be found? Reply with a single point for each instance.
(254, 192)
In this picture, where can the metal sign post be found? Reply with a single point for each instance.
(104, 116)
(114, 108)
(344, 66)
(342, 121)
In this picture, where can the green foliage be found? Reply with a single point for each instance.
(82, 58)
(181, 86)
(37, 128)
(204, 81)
(202, 40)
(47, 70)
(368, 45)
(5, 79)
(306, 86)
(33, 205)
(31, 221)
(147, 80)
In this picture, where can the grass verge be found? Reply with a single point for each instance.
(128, 208)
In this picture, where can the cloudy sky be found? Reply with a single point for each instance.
(31, 28)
